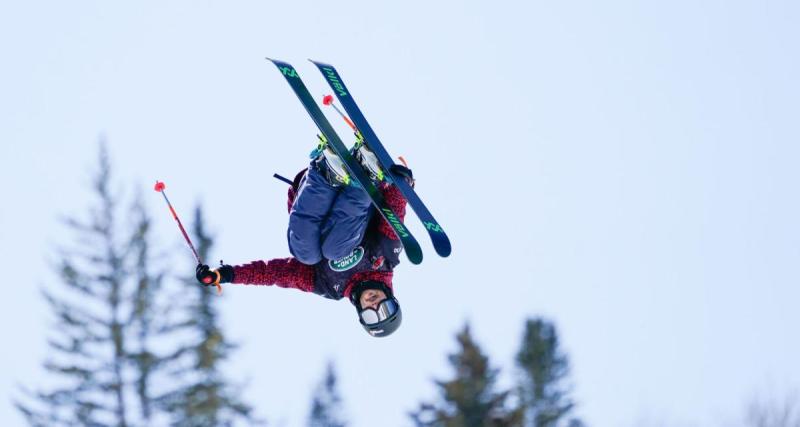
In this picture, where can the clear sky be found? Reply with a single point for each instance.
(625, 168)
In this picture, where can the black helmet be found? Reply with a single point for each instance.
(383, 321)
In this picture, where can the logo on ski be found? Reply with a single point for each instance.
(432, 226)
(289, 72)
(347, 262)
(396, 223)
(335, 83)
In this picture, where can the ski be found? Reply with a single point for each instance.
(441, 243)
(410, 244)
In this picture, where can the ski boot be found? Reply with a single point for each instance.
(330, 164)
(367, 159)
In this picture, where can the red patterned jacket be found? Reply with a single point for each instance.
(374, 259)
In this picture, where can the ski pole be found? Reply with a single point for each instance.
(328, 100)
(281, 178)
(159, 187)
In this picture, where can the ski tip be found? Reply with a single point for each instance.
(318, 63)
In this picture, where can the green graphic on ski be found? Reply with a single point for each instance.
(410, 244)
(441, 243)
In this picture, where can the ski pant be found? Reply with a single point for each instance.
(326, 222)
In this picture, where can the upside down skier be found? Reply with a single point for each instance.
(340, 248)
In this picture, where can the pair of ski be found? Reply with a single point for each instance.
(440, 241)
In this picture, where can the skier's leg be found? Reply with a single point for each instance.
(344, 228)
(313, 202)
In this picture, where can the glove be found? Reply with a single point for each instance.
(402, 171)
(208, 277)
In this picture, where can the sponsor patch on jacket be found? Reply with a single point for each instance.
(347, 262)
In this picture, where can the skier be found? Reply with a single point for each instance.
(340, 248)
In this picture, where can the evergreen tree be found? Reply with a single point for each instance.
(544, 394)
(326, 405)
(203, 395)
(105, 287)
(469, 399)
(774, 411)
(117, 348)
(144, 324)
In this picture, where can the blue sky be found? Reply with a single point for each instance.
(626, 168)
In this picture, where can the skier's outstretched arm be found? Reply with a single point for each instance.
(281, 272)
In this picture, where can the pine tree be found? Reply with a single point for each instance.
(326, 405)
(105, 285)
(469, 399)
(774, 411)
(116, 348)
(545, 368)
(203, 395)
(144, 323)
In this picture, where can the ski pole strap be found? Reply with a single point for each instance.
(216, 282)
(281, 178)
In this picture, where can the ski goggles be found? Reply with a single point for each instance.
(385, 309)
